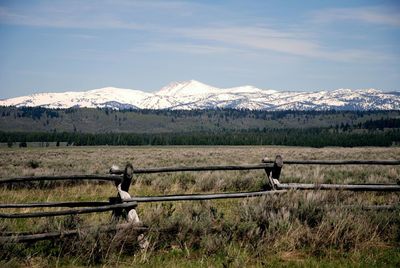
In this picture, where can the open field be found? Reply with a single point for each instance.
(297, 228)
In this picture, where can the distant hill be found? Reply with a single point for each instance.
(86, 120)
(190, 95)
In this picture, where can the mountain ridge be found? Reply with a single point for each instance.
(192, 94)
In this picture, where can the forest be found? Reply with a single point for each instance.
(78, 127)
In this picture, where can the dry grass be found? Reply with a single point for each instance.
(291, 228)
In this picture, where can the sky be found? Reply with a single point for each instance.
(56, 46)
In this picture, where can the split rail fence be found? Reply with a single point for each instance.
(123, 178)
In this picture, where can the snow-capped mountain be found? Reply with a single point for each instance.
(196, 95)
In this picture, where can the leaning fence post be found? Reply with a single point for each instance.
(123, 188)
(129, 214)
(273, 173)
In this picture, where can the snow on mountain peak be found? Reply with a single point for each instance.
(193, 94)
(186, 88)
(114, 91)
(249, 89)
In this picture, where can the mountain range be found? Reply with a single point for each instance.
(192, 94)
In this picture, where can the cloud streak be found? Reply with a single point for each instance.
(64, 20)
(268, 39)
(188, 47)
(101, 14)
(369, 15)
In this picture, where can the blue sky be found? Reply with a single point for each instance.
(285, 45)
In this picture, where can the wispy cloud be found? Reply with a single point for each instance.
(269, 39)
(373, 15)
(187, 47)
(64, 19)
(101, 14)
(254, 37)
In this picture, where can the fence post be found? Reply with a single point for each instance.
(273, 173)
(124, 187)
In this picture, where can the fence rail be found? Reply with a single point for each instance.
(61, 178)
(115, 173)
(22, 237)
(194, 197)
(342, 187)
(126, 205)
(103, 206)
(340, 162)
(118, 171)
(56, 204)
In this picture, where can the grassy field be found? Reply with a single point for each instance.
(294, 229)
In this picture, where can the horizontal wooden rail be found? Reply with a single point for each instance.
(57, 204)
(18, 238)
(344, 187)
(131, 204)
(62, 177)
(11, 237)
(116, 173)
(339, 162)
(101, 206)
(21, 237)
(191, 168)
(194, 197)
(267, 164)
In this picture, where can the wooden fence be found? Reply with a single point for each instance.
(124, 177)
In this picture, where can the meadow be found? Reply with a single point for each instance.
(306, 228)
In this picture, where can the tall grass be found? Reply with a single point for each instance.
(295, 228)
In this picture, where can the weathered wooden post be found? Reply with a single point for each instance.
(273, 173)
(129, 214)
(123, 191)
